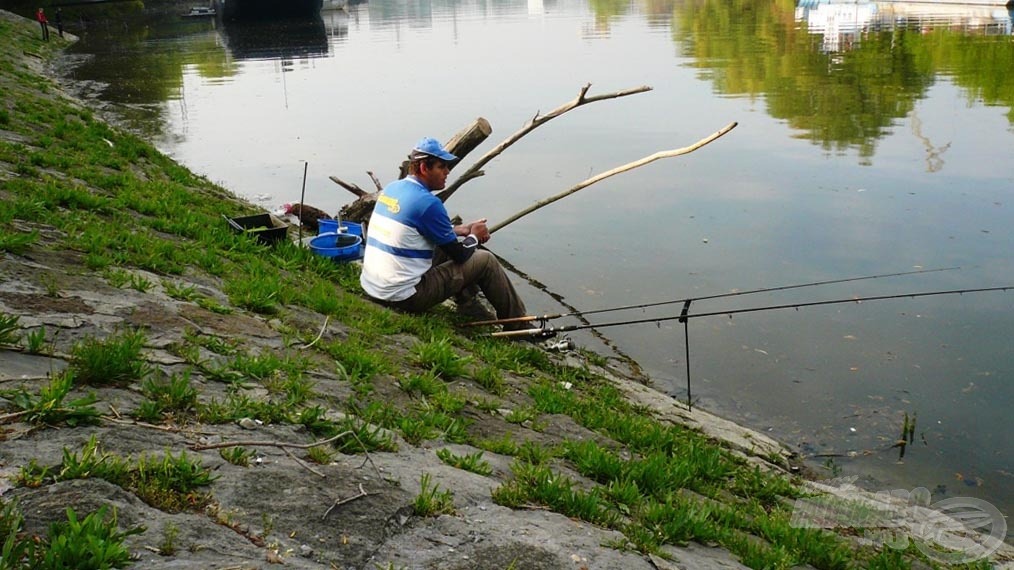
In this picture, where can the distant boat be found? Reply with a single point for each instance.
(199, 12)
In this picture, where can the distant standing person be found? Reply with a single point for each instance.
(59, 21)
(41, 17)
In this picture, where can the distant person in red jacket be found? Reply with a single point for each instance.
(41, 17)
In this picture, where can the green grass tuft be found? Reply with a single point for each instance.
(440, 357)
(431, 501)
(92, 542)
(49, 407)
(173, 395)
(114, 360)
(472, 462)
(9, 329)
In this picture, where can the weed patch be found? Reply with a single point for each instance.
(540, 485)
(17, 242)
(35, 341)
(357, 362)
(9, 329)
(171, 483)
(115, 360)
(92, 542)
(239, 406)
(472, 462)
(49, 407)
(172, 395)
(424, 384)
(431, 501)
(440, 358)
(239, 456)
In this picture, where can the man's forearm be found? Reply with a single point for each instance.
(460, 251)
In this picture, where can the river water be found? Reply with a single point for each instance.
(871, 139)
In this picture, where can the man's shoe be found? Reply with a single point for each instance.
(562, 345)
(475, 310)
(466, 295)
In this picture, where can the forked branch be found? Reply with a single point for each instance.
(475, 170)
(349, 186)
(283, 445)
(613, 172)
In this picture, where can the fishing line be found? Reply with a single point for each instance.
(542, 318)
(684, 317)
(730, 312)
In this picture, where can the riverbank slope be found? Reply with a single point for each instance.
(248, 407)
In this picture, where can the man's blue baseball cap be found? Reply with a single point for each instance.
(431, 147)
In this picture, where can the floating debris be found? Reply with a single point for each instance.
(969, 481)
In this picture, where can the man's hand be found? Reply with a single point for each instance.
(477, 228)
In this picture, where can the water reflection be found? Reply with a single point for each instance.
(267, 9)
(279, 39)
(843, 83)
(842, 24)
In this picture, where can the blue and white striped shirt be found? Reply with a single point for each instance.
(407, 225)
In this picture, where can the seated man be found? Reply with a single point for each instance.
(414, 258)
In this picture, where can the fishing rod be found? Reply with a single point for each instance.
(543, 318)
(684, 317)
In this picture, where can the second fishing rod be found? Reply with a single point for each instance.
(548, 317)
(685, 315)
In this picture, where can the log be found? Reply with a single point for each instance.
(359, 192)
(468, 139)
(376, 181)
(360, 210)
(462, 143)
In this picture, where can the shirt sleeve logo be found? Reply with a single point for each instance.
(391, 203)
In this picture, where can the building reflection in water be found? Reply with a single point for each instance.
(843, 23)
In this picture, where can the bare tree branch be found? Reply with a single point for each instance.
(535, 122)
(362, 493)
(283, 445)
(10, 417)
(613, 172)
(349, 186)
(376, 181)
(302, 464)
(320, 334)
(278, 444)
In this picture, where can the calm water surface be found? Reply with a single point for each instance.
(871, 140)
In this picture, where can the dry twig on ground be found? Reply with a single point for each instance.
(284, 444)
